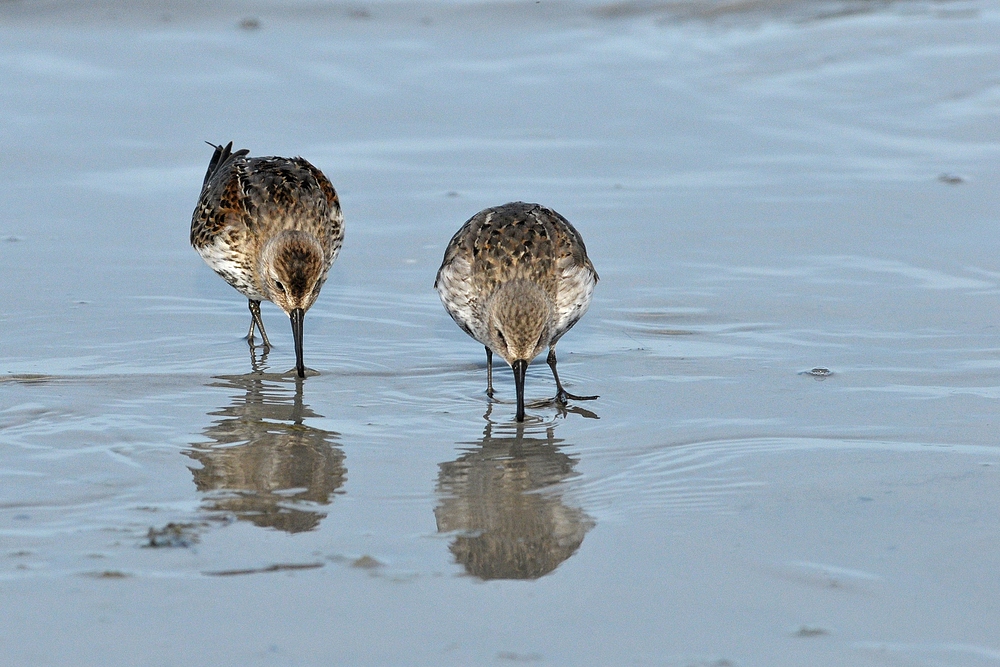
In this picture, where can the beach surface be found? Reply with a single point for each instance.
(793, 208)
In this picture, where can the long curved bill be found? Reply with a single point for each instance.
(520, 368)
(297, 316)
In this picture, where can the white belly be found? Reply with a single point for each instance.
(224, 262)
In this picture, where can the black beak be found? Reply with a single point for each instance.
(297, 316)
(520, 368)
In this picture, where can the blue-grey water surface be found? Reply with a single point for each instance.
(765, 190)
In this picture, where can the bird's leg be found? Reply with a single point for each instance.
(256, 320)
(561, 394)
(489, 372)
(253, 325)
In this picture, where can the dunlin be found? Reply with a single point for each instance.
(516, 278)
(272, 227)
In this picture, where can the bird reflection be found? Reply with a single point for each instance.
(263, 464)
(502, 499)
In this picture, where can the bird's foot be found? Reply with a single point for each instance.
(562, 396)
(294, 372)
(265, 344)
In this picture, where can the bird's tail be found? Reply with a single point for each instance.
(222, 155)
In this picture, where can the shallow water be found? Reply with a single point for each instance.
(764, 192)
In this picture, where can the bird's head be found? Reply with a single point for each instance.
(291, 270)
(291, 275)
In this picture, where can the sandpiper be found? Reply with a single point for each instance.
(272, 227)
(516, 278)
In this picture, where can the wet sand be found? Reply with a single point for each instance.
(764, 188)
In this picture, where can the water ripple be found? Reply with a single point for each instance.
(707, 475)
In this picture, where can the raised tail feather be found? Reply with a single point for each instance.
(221, 156)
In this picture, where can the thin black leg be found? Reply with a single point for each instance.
(255, 320)
(253, 325)
(489, 372)
(561, 394)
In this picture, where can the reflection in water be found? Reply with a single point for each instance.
(503, 500)
(263, 464)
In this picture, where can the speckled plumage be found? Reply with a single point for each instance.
(271, 227)
(516, 278)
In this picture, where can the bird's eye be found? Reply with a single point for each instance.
(281, 288)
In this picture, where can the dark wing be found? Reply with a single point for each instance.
(293, 194)
(454, 282)
(574, 276)
(332, 236)
(222, 197)
(572, 252)
(513, 242)
(502, 243)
